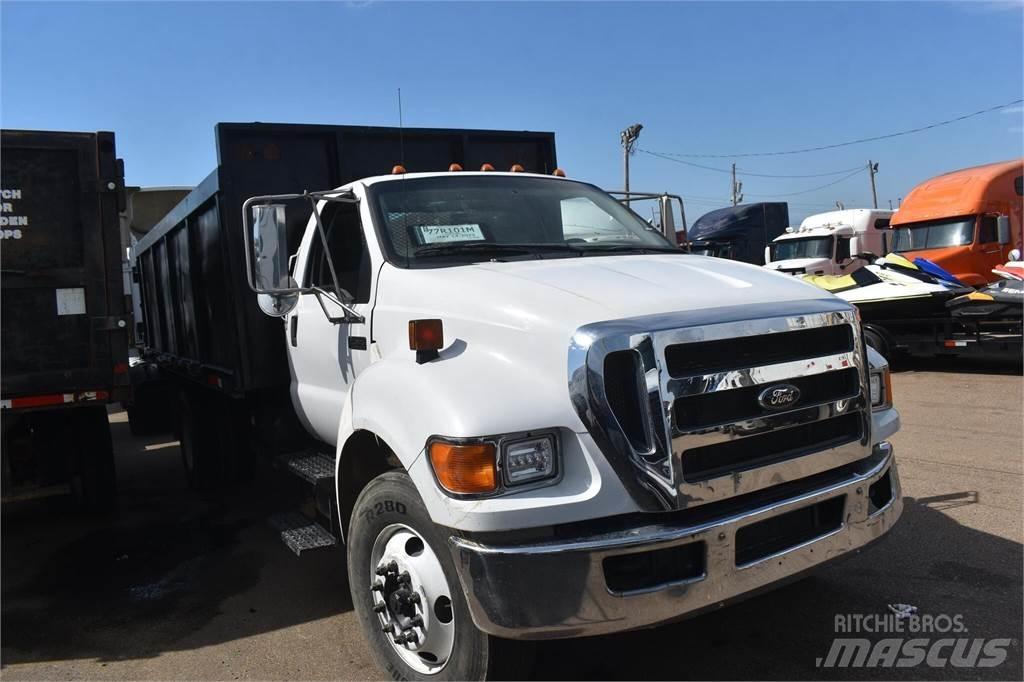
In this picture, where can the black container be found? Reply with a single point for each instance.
(65, 326)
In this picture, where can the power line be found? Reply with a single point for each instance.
(814, 189)
(852, 142)
(740, 171)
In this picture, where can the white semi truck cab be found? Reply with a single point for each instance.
(547, 421)
(832, 243)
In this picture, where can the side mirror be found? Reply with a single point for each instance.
(270, 247)
(1003, 229)
(767, 254)
(868, 256)
(270, 260)
(668, 219)
(854, 244)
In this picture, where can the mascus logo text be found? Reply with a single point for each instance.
(779, 397)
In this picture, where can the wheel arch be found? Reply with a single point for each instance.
(361, 457)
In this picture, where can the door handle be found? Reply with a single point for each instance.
(293, 322)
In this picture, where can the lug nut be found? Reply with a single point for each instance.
(377, 587)
(380, 607)
(404, 577)
(414, 598)
(411, 638)
(416, 621)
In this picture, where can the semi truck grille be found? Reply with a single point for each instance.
(680, 403)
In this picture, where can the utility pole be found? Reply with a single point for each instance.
(872, 169)
(737, 194)
(628, 137)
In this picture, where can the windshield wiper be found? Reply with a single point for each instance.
(639, 248)
(489, 247)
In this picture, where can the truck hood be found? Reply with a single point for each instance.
(805, 264)
(560, 295)
(503, 367)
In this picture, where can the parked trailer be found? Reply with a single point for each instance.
(997, 340)
(205, 330)
(65, 322)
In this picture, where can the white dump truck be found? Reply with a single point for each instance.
(832, 243)
(525, 420)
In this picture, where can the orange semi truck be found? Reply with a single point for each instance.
(966, 221)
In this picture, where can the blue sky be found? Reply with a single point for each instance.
(720, 78)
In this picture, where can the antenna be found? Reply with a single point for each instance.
(401, 131)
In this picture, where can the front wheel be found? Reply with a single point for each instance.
(406, 592)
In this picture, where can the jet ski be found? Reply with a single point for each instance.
(1003, 300)
(894, 288)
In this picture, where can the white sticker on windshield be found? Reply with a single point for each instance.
(441, 234)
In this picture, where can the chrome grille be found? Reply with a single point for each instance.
(674, 400)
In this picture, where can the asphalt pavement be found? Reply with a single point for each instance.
(178, 585)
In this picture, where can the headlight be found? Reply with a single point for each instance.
(528, 459)
(492, 465)
(881, 388)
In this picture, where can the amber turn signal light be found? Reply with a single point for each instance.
(454, 168)
(398, 170)
(516, 168)
(465, 469)
(558, 172)
(426, 335)
(486, 167)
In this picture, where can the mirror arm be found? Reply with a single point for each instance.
(351, 316)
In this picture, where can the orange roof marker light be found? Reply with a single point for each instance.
(486, 167)
(558, 172)
(454, 168)
(516, 168)
(398, 170)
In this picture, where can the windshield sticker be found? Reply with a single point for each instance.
(443, 234)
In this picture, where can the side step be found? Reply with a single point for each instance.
(310, 466)
(300, 533)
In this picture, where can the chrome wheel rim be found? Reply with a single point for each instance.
(412, 599)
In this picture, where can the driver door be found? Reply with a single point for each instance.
(325, 355)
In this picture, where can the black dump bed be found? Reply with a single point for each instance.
(201, 320)
(63, 306)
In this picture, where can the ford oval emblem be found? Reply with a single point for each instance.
(779, 397)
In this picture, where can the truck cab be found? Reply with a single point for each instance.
(550, 422)
(966, 221)
(738, 233)
(832, 243)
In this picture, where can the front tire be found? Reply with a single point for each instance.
(403, 583)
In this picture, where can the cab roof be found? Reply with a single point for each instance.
(960, 193)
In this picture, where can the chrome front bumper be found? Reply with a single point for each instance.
(558, 588)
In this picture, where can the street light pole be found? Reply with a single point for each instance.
(628, 137)
(872, 169)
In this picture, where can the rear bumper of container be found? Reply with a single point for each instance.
(643, 576)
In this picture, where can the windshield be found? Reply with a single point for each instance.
(934, 235)
(475, 217)
(810, 247)
(712, 249)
